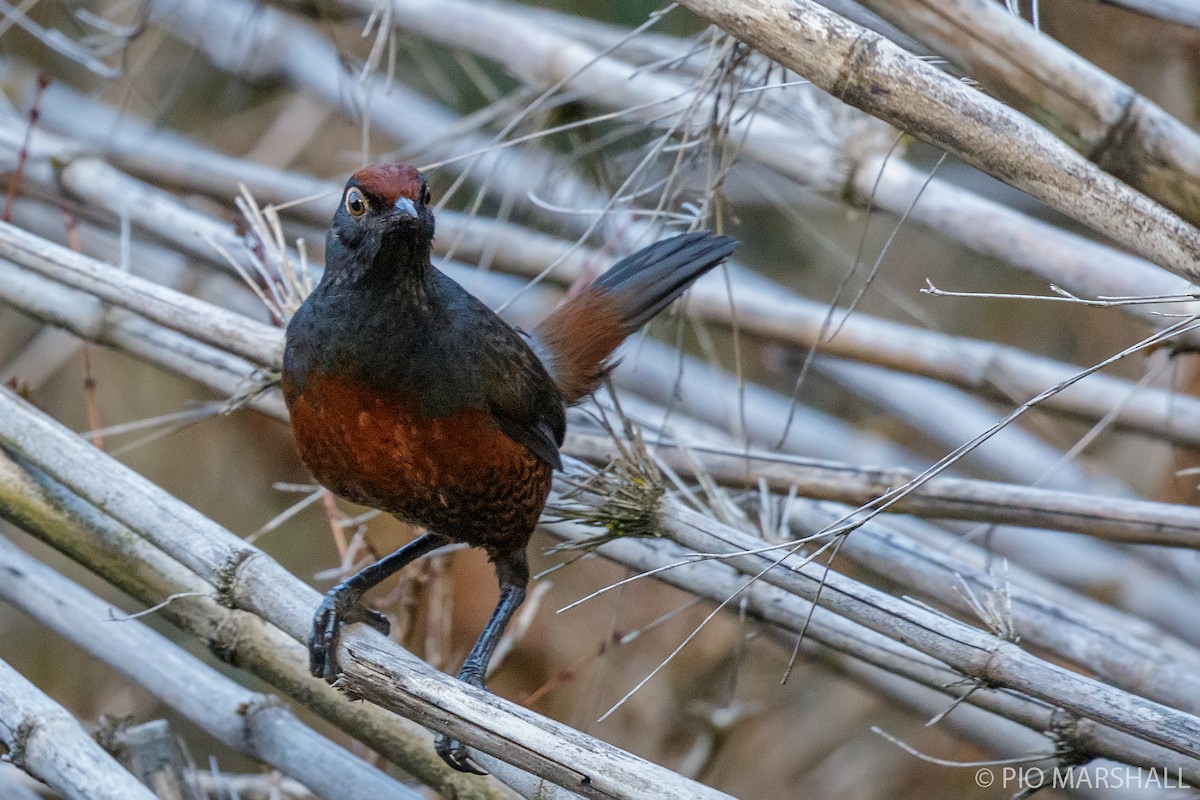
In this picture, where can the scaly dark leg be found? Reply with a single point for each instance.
(342, 605)
(512, 571)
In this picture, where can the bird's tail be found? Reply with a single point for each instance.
(577, 339)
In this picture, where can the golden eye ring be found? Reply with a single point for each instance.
(356, 203)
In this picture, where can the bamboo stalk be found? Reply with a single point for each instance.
(251, 340)
(47, 510)
(1107, 121)
(852, 648)
(1085, 267)
(764, 309)
(1119, 648)
(867, 71)
(253, 723)
(1113, 518)
(45, 740)
(976, 653)
(34, 502)
(379, 671)
(373, 667)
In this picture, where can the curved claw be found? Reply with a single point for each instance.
(457, 755)
(337, 609)
(377, 620)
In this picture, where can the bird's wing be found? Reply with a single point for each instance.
(521, 396)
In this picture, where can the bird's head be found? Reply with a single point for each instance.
(384, 218)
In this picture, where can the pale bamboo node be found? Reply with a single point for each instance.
(44, 739)
(256, 724)
(867, 71)
(1107, 121)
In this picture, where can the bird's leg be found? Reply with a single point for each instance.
(342, 604)
(512, 571)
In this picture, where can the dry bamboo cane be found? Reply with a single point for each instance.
(257, 724)
(986, 657)
(46, 741)
(852, 648)
(867, 71)
(373, 667)
(857, 66)
(1121, 131)
(63, 520)
(45, 509)
(377, 670)
(971, 364)
(1119, 519)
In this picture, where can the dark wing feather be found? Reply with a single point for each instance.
(521, 396)
(510, 380)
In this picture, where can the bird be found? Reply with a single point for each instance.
(409, 395)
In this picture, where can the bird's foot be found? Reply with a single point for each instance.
(340, 607)
(452, 751)
(457, 755)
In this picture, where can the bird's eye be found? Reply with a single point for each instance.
(356, 204)
(425, 195)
